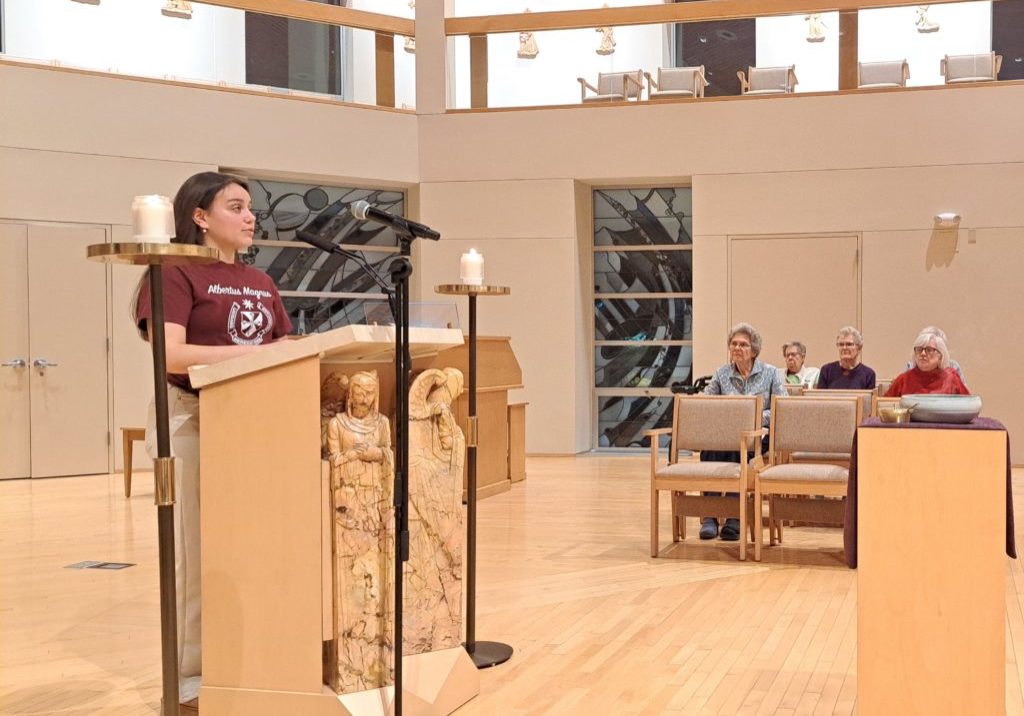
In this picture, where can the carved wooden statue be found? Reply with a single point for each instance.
(437, 457)
(362, 476)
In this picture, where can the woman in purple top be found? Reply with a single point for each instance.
(847, 372)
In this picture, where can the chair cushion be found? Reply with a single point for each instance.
(958, 80)
(701, 470)
(768, 91)
(821, 473)
(876, 85)
(604, 98)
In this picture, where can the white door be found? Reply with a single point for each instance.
(68, 371)
(795, 288)
(15, 414)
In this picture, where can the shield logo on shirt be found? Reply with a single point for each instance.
(248, 323)
(252, 321)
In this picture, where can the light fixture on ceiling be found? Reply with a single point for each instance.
(947, 220)
(88, 2)
(178, 8)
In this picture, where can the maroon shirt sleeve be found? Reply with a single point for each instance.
(178, 299)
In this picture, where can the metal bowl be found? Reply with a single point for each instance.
(895, 415)
(940, 408)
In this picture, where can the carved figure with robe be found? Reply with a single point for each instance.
(362, 475)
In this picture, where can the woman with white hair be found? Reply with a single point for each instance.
(847, 373)
(743, 375)
(931, 372)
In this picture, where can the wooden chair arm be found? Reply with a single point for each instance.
(942, 69)
(626, 79)
(584, 85)
(747, 438)
(655, 448)
(906, 71)
(998, 65)
(793, 80)
(699, 82)
(650, 82)
(744, 84)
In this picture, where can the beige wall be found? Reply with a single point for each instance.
(515, 185)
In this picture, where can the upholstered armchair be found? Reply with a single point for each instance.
(613, 87)
(872, 75)
(676, 82)
(768, 80)
(984, 67)
(808, 425)
(706, 422)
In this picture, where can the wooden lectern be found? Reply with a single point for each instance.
(265, 560)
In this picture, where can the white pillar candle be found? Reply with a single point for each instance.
(471, 268)
(152, 219)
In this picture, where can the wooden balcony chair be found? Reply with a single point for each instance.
(706, 422)
(873, 75)
(809, 425)
(676, 82)
(768, 80)
(613, 87)
(958, 69)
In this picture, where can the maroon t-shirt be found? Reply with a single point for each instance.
(219, 304)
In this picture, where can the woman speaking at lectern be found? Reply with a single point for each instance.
(212, 312)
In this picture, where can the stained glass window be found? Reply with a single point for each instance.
(643, 309)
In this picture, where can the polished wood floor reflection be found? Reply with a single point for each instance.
(564, 576)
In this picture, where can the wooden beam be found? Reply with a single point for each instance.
(848, 57)
(655, 14)
(478, 71)
(316, 12)
(385, 65)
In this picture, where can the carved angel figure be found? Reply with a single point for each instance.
(815, 27)
(527, 44)
(437, 456)
(177, 8)
(923, 22)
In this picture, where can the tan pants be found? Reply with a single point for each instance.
(183, 421)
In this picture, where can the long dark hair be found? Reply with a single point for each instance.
(197, 192)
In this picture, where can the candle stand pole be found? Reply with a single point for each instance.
(483, 653)
(156, 256)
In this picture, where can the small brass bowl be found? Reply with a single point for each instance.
(895, 415)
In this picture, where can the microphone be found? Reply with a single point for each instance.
(317, 240)
(364, 212)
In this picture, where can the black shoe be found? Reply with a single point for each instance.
(708, 528)
(731, 530)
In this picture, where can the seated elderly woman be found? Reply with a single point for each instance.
(931, 372)
(743, 375)
(847, 373)
(952, 363)
(797, 373)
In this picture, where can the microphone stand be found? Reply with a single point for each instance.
(398, 299)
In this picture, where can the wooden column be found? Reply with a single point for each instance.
(478, 70)
(848, 49)
(385, 69)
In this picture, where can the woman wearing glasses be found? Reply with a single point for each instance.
(848, 372)
(931, 372)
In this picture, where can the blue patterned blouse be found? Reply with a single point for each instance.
(764, 380)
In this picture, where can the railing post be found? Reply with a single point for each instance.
(385, 69)
(848, 49)
(478, 71)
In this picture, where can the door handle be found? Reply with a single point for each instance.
(42, 364)
(14, 363)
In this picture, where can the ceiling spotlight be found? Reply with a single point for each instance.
(947, 220)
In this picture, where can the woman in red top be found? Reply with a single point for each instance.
(931, 372)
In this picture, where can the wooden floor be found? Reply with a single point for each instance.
(564, 576)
